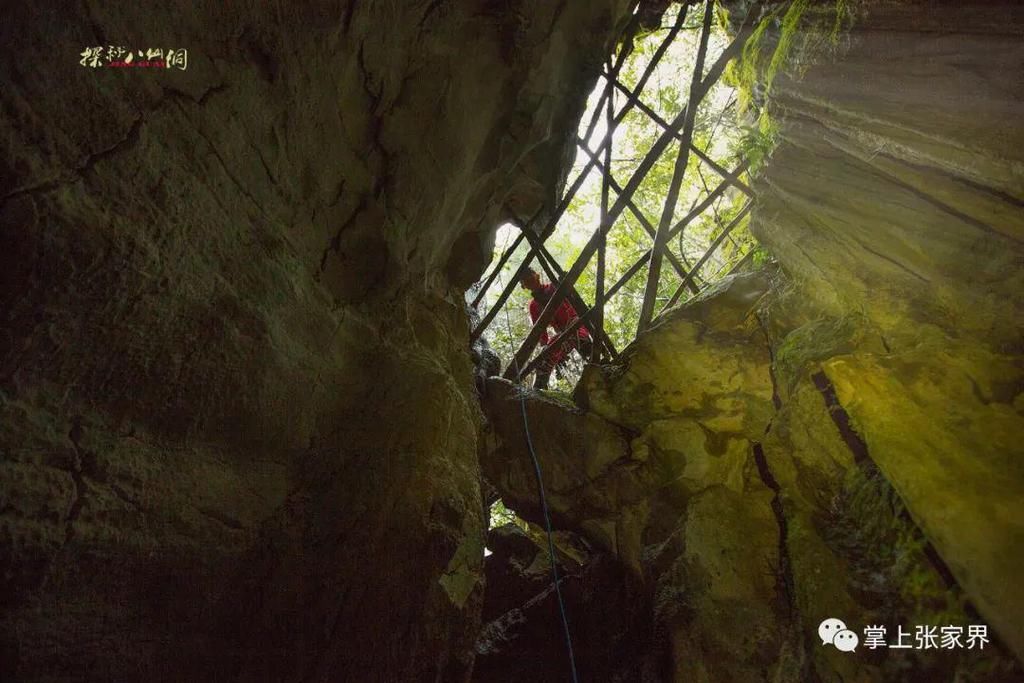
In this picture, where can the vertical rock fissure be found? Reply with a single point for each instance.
(776, 400)
(784, 574)
(841, 418)
(859, 449)
(784, 581)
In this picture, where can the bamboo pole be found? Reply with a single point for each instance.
(680, 269)
(497, 269)
(714, 209)
(682, 159)
(571, 193)
(715, 72)
(555, 273)
(708, 201)
(696, 211)
(583, 319)
(605, 182)
(657, 118)
(590, 247)
(711, 249)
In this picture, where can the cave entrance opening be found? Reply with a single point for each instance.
(659, 201)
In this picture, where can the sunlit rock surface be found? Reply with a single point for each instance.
(238, 431)
(840, 437)
(896, 203)
(682, 504)
(237, 424)
(744, 506)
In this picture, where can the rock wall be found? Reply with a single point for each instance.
(237, 424)
(654, 465)
(838, 436)
(894, 202)
(719, 469)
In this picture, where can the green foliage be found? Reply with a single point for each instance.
(783, 41)
(787, 36)
(501, 515)
(716, 134)
(844, 16)
(761, 257)
(743, 73)
(759, 140)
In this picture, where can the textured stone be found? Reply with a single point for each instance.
(894, 202)
(753, 511)
(690, 517)
(237, 424)
(238, 436)
(840, 438)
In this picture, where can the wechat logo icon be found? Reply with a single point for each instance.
(834, 632)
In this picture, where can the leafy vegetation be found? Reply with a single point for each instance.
(717, 134)
(501, 515)
(784, 40)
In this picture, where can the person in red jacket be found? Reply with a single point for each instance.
(563, 318)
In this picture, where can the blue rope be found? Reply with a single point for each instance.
(551, 544)
(544, 507)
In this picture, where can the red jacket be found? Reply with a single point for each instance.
(562, 319)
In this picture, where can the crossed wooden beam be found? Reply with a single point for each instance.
(681, 128)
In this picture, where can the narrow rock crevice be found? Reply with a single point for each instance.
(859, 449)
(776, 399)
(335, 243)
(784, 573)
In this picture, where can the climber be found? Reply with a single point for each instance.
(563, 318)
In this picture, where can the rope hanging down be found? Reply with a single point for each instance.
(547, 517)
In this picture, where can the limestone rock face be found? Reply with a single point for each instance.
(838, 436)
(894, 202)
(677, 495)
(744, 506)
(237, 424)
(576, 448)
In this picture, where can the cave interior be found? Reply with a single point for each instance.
(269, 407)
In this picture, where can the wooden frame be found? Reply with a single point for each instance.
(681, 130)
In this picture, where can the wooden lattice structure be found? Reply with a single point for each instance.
(616, 199)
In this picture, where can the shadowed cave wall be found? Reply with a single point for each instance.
(237, 424)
